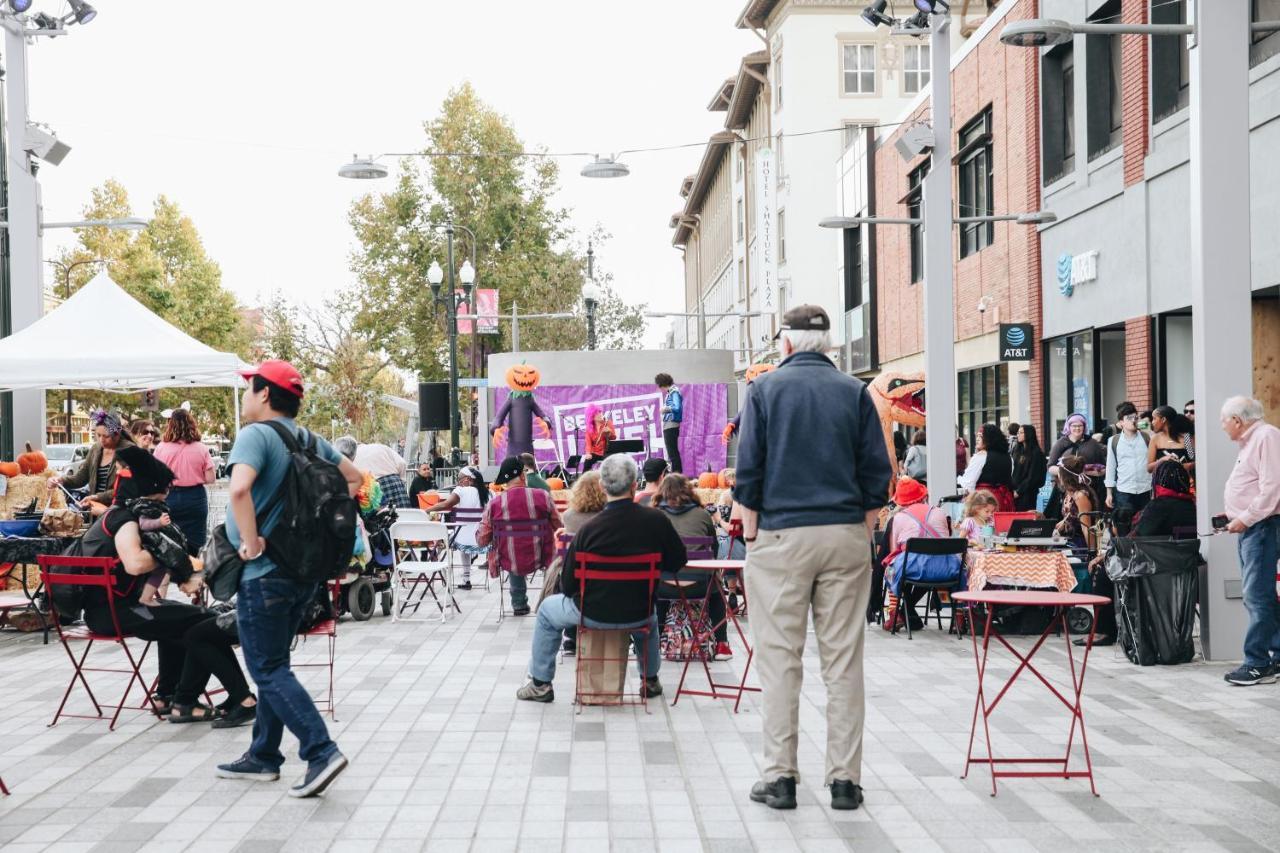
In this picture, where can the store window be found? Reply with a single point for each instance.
(1070, 381)
(1264, 45)
(1174, 367)
(982, 396)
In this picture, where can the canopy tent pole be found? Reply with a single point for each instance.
(235, 397)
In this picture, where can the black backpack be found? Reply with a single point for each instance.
(316, 534)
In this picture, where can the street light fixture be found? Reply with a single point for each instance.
(362, 169)
(452, 301)
(605, 167)
(82, 12)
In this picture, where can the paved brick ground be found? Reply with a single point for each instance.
(444, 758)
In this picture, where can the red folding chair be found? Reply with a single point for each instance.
(1004, 520)
(3, 789)
(643, 567)
(91, 573)
(740, 588)
(327, 628)
(513, 531)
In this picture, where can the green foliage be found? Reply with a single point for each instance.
(166, 268)
(522, 244)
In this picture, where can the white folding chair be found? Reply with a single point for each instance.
(420, 560)
(550, 444)
(407, 514)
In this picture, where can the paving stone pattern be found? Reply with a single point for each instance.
(444, 758)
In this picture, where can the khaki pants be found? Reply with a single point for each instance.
(789, 571)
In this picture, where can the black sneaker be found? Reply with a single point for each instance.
(465, 585)
(520, 611)
(778, 794)
(652, 687)
(247, 767)
(845, 796)
(570, 648)
(319, 775)
(1246, 676)
(236, 716)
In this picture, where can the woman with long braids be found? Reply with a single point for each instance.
(1172, 437)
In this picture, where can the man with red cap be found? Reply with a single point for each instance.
(270, 604)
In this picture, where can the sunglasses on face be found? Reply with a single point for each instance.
(1188, 411)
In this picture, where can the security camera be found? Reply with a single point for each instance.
(982, 305)
(44, 144)
(914, 141)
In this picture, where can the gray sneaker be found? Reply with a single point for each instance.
(319, 775)
(536, 692)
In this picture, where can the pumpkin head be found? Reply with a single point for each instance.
(9, 469)
(556, 484)
(33, 461)
(757, 370)
(523, 378)
(708, 480)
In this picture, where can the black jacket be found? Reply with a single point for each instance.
(623, 528)
(811, 450)
(1162, 515)
(1028, 476)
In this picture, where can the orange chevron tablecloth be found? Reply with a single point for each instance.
(1041, 569)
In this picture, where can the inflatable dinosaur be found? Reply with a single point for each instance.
(518, 412)
(899, 398)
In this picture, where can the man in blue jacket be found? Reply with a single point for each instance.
(812, 474)
(672, 417)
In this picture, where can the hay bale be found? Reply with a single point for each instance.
(23, 489)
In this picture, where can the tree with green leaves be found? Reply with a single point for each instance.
(479, 176)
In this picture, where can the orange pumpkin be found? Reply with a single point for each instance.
(33, 461)
(757, 369)
(523, 377)
(9, 469)
(556, 484)
(708, 480)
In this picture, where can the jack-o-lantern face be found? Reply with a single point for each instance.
(756, 370)
(523, 377)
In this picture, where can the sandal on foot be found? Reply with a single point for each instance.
(196, 713)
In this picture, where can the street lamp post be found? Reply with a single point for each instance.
(591, 297)
(66, 294)
(452, 301)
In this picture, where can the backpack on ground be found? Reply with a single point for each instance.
(316, 533)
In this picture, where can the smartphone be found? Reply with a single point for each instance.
(1219, 522)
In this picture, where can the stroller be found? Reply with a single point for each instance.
(368, 583)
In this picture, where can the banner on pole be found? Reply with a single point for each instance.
(486, 305)
(766, 236)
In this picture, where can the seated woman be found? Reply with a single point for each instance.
(600, 431)
(98, 472)
(678, 500)
(1172, 506)
(423, 481)
(186, 657)
(1077, 504)
(991, 468)
(913, 518)
(471, 493)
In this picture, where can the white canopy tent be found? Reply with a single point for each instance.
(105, 340)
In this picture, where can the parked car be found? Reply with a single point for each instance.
(65, 458)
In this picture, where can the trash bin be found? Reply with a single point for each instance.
(1157, 587)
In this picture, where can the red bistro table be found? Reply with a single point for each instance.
(1061, 602)
(713, 568)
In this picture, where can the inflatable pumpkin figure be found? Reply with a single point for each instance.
(518, 412)
(752, 372)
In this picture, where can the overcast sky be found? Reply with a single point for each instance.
(243, 112)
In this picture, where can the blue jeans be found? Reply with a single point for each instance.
(189, 509)
(1259, 547)
(558, 612)
(1133, 502)
(269, 610)
(519, 586)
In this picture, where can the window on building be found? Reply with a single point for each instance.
(982, 397)
(1069, 380)
(915, 198)
(859, 66)
(782, 236)
(977, 183)
(852, 267)
(1170, 62)
(1264, 46)
(742, 279)
(744, 339)
(739, 158)
(777, 153)
(1057, 111)
(1103, 99)
(915, 68)
(777, 82)
(849, 135)
(742, 221)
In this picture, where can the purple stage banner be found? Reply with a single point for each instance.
(636, 412)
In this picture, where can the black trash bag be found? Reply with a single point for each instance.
(1157, 586)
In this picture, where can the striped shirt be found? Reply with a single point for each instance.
(520, 555)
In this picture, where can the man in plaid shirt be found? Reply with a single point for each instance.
(519, 556)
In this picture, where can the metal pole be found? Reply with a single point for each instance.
(23, 216)
(1221, 294)
(939, 308)
(451, 317)
(515, 327)
(591, 324)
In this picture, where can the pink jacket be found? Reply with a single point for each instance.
(1253, 489)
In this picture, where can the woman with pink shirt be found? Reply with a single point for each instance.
(192, 466)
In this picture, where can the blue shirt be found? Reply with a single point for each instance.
(261, 449)
(1127, 464)
(673, 402)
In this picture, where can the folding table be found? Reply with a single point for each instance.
(713, 568)
(1061, 602)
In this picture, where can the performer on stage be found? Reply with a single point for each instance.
(672, 417)
(600, 431)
